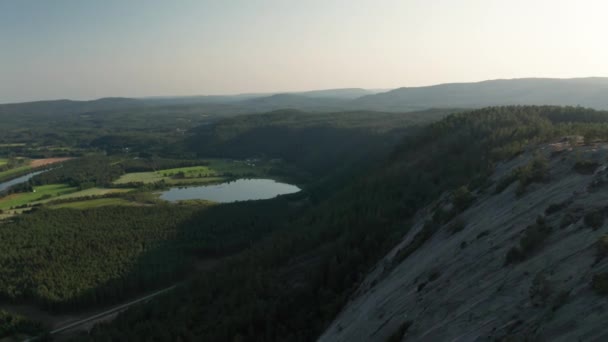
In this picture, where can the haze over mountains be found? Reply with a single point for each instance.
(587, 92)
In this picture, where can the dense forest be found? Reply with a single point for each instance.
(317, 144)
(290, 285)
(65, 259)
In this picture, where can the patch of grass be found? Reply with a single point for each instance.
(482, 234)
(601, 248)
(3, 161)
(555, 207)
(41, 193)
(434, 276)
(14, 172)
(586, 167)
(94, 203)
(12, 324)
(540, 290)
(397, 336)
(535, 171)
(215, 171)
(560, 300)
(462, 199)
(599, 283)
(457, 225)
(594, 218)
(505, 181)
(569, 218)
(139, 177)
(188, 172)
(533, 237)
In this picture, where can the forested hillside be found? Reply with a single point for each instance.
(319, 144)
(292, 284)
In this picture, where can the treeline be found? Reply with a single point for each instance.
(83, 173)
(155, 164)
(292, 284)
(13, 163)
(98, 170)
(12, 324)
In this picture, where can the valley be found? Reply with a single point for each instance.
(329, 225)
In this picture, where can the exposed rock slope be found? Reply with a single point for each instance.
(522, 267)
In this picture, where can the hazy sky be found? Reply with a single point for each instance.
(83, 49)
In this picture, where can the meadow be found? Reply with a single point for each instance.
(217, 170)
(40, 193)
(14, 172)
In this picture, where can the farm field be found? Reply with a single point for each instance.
(14, 172)
(214, 172)
(82, 193)
(41, 193)
(140, 177)
(3, 161)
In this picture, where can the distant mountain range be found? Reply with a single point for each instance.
(587, 92)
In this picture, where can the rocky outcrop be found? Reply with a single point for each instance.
(523, 262)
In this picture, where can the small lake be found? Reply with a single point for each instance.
(4, 186)
(239, 190)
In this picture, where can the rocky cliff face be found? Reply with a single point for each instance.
(523, 262)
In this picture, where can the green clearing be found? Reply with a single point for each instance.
(14, 172)
(216, 171)
(3, 161)
(83, 193)
(42, 192)
(94, 203)
(139, 177)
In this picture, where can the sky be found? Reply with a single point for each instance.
(85, 49)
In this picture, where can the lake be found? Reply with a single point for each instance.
(4, 186)
(238, 190)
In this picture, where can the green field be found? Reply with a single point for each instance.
(196, 174)
(139, 177)
(94, 203)
(41, 193)
(3, 161)
(14, 172)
